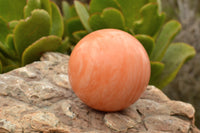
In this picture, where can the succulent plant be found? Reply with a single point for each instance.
(30, 27)
(141, 18)
(27, 29)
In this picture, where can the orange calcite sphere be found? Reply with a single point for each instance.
(109, 70)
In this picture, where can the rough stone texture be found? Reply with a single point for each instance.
(38, 98)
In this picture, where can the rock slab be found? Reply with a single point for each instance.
(38, 98)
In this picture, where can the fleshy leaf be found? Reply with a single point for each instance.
(168, 32)
(72, 11)
(10, 67)
(10, 48)
(6, 51)
(83, 14)
(66, 10)
(12, 9)
(176, 55)
(152, 0)
(4, 30)
(79, 34)
(57, 26)
(96, 22)
(31, 5)
(113, 18)
(72, 25)
(3, 49)
(35, 50)
(156, 70)
(147, 42)
(31, 29)
(159, 4)
(6, 64)
(110, 18)
(5, 60)
(10, 42)
(65, 46)
(131, 10)
(12, 24)
(100, 5)
(151, 21)
(46, 5)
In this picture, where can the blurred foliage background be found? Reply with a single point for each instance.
(186, 86)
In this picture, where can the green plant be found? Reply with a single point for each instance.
(28, 28)
(141, 18)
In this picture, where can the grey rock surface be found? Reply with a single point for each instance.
(38, 98)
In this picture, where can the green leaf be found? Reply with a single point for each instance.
(3, 49)
(31, 29)
(6, 51)
(66, 10)
(65, 46)
(100, 5)
(176, 55)
(113, 18)
(4, 30)
(110, 18)
(151, 21)
(10, 67)
(46, 5)
(30, 6)
(35, 50)
(96, 22)
(83, 15)
(147, 42)
(156, 70)
(79, 34)
(12, 9)
(168, 32)
(12, 24)
(154, 1)
(131, 10)
(10, 42)
(72, 25)
(10, 48)
(159, 4)
(72, 11)
(5, 60)
(57, 27)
